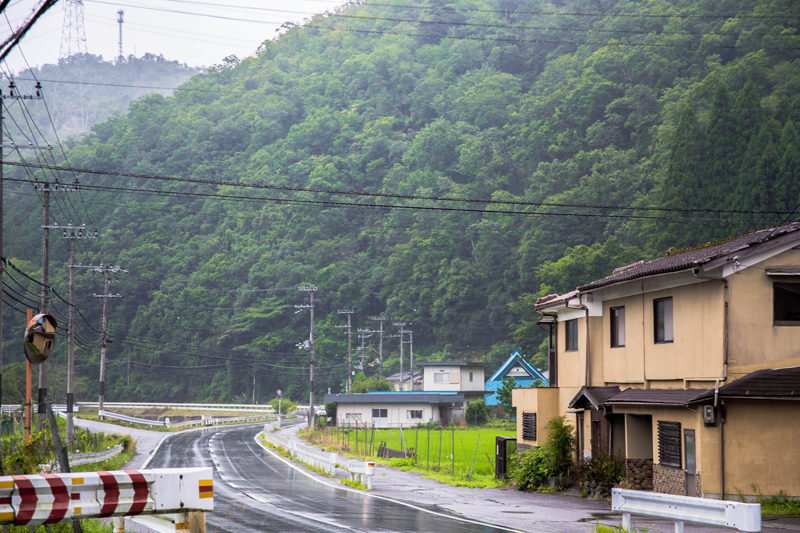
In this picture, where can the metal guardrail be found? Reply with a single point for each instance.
(256, 408)
(734, 515)
(53, 498)
(361, 471)
(132, 419)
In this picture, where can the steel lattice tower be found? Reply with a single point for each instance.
(73, 32)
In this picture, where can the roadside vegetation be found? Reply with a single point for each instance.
(19, 457)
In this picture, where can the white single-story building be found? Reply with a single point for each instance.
(395, 409)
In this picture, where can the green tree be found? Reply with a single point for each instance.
(476, 414)
(504, 395)
(362, 383)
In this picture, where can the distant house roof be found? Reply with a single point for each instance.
(670, 397)
(436, 398)
(769, 384)
(704, 256)
(408, 375)
(517, 359)
(592, 397)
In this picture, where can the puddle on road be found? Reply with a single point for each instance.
(601, 516)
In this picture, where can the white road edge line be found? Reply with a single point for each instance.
(303, 471)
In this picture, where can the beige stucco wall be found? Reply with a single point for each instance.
(754, 341)
(696, 352)
(476, 383)
(762, 447)
(544, 401)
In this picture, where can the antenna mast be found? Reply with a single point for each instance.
(120, 13)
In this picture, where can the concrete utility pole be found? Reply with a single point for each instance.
(349, 313)
(402, 325)
(12, 94)
(380, 319)
(106, 270)
(72, 233)
(310, 289)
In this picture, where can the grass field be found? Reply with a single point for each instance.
(459, 456)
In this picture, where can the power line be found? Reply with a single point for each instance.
(345, 192)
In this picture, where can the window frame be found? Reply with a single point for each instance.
(667, 329)
(410, 414)
(571, 335)
(617, 324)
(382, 412)
(442, 374)
(779, 305)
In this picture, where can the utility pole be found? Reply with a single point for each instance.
(349, 313)
(380, 319)
(72, 233)
(46, 188)
(12, 94)
(106, 270)
(310, 289)
(402, 325)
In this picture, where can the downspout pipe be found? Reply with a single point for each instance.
(587, 380)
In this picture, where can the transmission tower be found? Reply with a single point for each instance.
(73, 32)
(120, 13)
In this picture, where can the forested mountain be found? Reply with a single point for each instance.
(438, 162)
(83, 89)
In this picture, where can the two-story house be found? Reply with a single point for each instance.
(687, 367)
(464, 378)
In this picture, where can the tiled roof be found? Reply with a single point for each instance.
(397, 397)
(676, 397)
(771, 384)
(594, 395)
(694, 257)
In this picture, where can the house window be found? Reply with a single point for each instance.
(529, 426)
(414, 413)
(470, 377)
(380, 413)
(669, 444)
(617, 327)
(571, 329)
(662, 316)
(441, 377)
(786, 304)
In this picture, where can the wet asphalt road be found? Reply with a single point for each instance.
(255, 491)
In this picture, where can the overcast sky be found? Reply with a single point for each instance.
(198, 33)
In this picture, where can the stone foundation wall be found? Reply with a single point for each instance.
(639, 473)
(669, 480)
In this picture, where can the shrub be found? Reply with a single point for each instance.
(553, 458)
(476, 414)
(604, 469)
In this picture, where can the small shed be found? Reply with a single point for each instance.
(525, 375)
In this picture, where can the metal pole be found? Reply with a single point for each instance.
(28, 389)
(45, 296)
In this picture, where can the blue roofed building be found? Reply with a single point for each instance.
(525, 375)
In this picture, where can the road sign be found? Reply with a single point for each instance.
(279, 394)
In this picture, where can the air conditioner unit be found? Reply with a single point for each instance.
(709, 415)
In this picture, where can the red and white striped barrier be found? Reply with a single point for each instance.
(51, 498)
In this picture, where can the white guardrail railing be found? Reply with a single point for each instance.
(255, 408)
(53, 498)
(733, 515)
(361, 471)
